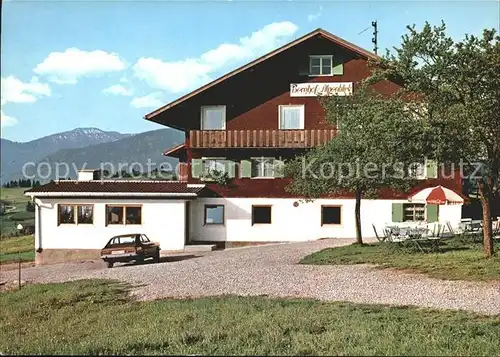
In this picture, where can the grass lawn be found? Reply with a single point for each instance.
(97, 317)
(14, 194)
(457, 261)
(10, 247)
(16, 209)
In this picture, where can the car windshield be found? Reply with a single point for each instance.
(122, 240)
(127, 240)
(144, 238)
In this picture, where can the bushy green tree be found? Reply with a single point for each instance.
(372, 150)
(459, 83)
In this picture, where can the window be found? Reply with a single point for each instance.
(144, 239)
(123, 215)
(263, 167)
(85, 214)
(214, 214)
(213, 164)
(261, 215)
(417, 171)
(76, 214)
(413, 212)
(331, 215)
(320, 65)
(291, 117)
(213, 117)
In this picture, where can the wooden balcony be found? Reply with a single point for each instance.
(260, 138)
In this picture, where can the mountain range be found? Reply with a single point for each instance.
(85, 148)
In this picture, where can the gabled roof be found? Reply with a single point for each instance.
(118, 188)
(335, 39)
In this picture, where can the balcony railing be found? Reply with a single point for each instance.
(260, 138)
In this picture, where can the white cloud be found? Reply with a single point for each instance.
(172, 76)
(68, 66)
(5, 120)
(182, 75)
(152, 100)
(123, 80)
(314, 17)
(117, 89)
(16, 91)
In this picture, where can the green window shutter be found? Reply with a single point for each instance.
(245, 168)
(432, 169)
(229, 166)
(432, 213)
(397, 212)
(279, 167)
(338, 69)
(196, 168)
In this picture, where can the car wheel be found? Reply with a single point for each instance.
(157, 256)
(109, 264)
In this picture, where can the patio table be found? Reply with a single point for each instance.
(473, 229)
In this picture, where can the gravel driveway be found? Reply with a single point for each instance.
(273, 270)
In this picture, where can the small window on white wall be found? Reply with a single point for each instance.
(213, 117)
(291, 117)
(214, 214)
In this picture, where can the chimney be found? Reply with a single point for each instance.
(89, 174)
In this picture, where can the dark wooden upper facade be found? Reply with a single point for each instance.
(252, 96)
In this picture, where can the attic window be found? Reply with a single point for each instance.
(213, 117)
(320, 65)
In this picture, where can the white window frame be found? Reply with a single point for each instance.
(217, 160)
(302, 114)
(321, 65)
(421, 207)
(202, 115)
(262, 163)
(214, 205)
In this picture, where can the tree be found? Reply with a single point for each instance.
(460, 85)
(372, 150)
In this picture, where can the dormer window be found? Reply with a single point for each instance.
(213, 117)
(320, 65)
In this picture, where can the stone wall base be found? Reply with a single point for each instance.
(53, 256)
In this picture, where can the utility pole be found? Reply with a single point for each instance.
(375, 36)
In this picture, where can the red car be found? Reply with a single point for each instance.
(130, 247)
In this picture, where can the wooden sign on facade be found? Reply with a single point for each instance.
(320, 89)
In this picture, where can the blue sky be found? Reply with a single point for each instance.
(68, 64)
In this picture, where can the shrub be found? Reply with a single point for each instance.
(22, 216)
(30, 207)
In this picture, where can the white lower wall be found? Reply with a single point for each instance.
(291, 223)
(163, 221)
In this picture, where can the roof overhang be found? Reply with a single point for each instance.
(176, 151)
(117, 188)
(111, 194)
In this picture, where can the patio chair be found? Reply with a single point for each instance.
(380, 238)
(496, 229)
(436, 230)
(451, 232)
